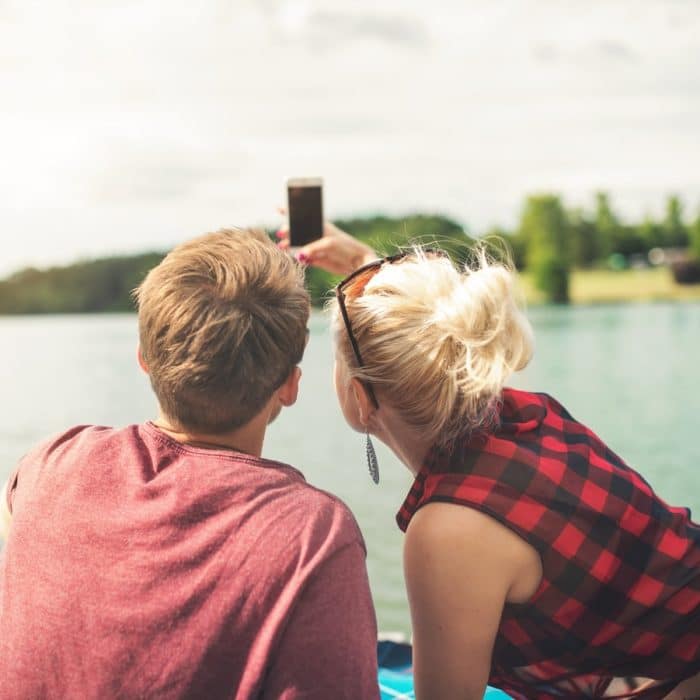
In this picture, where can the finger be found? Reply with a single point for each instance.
(316, 250)
(305, 259)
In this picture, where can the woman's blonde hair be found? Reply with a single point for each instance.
(438, 342)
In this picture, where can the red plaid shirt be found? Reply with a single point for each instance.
(620, 591)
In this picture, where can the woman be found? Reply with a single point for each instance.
(535, 558)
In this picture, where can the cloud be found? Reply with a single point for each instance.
(393, 29)
(608, 50)
(319, 27)
(149, 175)
(334, 125)
(546, 51)
(615, 50)
(149, 182)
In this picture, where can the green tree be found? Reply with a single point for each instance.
(545, 230)
(615, 236)
(90, 286)
(607, 224)
(586, 246)
(675, 231)
(695, 237)
(630, 241)
(387, 235)
(652, 233)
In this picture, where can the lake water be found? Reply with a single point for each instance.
(632, 373)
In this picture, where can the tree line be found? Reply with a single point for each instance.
(548, 241)
(551, 240)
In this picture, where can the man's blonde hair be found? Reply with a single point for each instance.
(438, 342)
(222, 323)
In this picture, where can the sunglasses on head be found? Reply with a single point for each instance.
(354, 285)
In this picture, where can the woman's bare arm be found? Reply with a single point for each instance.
(461, 567)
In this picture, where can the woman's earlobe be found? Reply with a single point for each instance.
(365, 407)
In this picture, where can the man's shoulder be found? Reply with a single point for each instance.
(58, 448)
(324, 512)
(83, 436)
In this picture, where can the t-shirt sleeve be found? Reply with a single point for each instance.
(27, 469)
(7, 492)
(10, 488)
(329, 649)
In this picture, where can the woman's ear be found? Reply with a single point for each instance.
(365, 407)
(142, 362)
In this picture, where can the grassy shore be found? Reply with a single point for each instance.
(609, 286)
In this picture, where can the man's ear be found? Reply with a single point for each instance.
(365, 407)
(142, 362)
(289, 391)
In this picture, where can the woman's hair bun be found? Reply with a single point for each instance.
(440, 341)
(485, 334)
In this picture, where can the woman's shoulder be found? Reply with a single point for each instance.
(460, 536)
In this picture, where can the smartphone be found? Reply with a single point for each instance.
(305, 209)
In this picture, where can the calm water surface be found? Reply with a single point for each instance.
(632, 373)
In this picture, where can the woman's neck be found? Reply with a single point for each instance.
(404, 441)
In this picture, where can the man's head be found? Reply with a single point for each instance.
(222, 325)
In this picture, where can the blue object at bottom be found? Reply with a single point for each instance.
(396, 675)
(397, 685)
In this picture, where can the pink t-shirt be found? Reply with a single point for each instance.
(138, 567)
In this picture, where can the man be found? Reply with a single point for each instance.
(169, 559)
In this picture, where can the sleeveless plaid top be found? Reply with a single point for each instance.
(620, 590)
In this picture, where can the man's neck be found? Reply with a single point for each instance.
(247, 439)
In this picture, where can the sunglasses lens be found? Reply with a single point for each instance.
(354, 286)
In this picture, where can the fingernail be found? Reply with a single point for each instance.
(280, 234)
(302, 257)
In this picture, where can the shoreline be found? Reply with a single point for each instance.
(600, 287)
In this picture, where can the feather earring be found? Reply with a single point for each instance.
(372, 461)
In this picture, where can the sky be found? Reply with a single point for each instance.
(130, 126)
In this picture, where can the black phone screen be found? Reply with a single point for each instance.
(305, 214)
